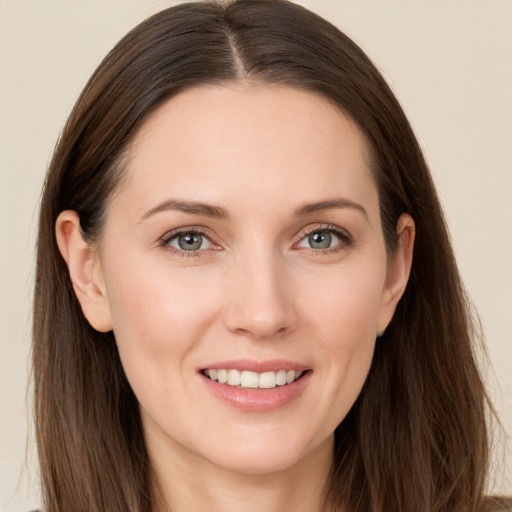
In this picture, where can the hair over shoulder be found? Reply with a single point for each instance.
(496, 504)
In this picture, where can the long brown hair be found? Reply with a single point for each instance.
(416, 438)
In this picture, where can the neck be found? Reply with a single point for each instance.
(188, 483)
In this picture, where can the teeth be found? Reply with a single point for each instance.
(249, 380)
(222, 376)
(234, 377)
(281, 377)
(267, 380)
(253, 380)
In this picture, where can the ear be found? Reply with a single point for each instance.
(85, 271)
(399, 268)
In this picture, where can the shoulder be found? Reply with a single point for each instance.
(496, 504)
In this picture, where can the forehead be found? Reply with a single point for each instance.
(258, 141)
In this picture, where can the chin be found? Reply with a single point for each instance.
(258, 464)
(262, 456)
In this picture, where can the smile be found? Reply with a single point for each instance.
(252, 380)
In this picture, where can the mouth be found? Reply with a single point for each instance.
(256, 386)
(245, 379)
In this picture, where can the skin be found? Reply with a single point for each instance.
(257, 289)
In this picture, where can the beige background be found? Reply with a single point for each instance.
(449, 64)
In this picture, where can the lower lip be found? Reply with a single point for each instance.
(258, 400)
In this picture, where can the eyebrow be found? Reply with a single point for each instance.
(218, 212)
(331, 204)
(192, 207)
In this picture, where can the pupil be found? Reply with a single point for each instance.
(189, 242)
(320, 240)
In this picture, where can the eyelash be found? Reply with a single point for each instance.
(345, 238)
(169, 237)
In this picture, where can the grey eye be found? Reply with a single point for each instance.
(320, 239)
(190, 241)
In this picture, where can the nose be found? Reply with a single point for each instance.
(260, 301)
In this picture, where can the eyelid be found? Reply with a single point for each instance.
(345, 237)
(164, 241)
(341, 233)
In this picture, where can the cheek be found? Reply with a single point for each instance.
(344, 320)
(158, 319)
(345, 303)
(158, 309)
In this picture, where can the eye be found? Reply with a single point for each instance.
(189, 241)
(324, 238)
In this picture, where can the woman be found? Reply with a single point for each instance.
(245, 290)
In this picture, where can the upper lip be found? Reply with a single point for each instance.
(270, 365)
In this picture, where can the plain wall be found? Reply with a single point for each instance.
(447, 61)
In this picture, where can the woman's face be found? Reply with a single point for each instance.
(245, 243)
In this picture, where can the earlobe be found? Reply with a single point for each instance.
(85, 271)
(399, 268)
